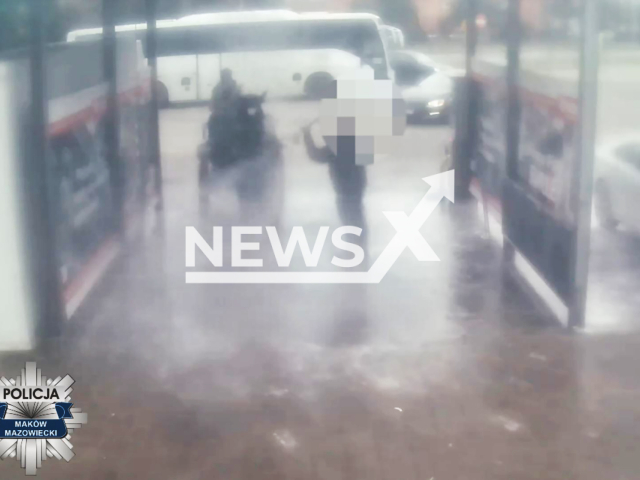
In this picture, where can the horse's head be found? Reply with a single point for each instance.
(250, 107)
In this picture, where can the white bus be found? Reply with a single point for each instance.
(281, 52)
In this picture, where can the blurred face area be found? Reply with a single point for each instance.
(363, 119)
(226, 76)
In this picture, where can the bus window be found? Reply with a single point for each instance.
(359, 38)
(256, 36)
(175, 41)
(208, 39)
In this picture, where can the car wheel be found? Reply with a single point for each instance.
(603, 206)
(318, 86)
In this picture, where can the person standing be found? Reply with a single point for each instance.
(224, 94)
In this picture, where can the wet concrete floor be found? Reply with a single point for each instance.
(442, 371)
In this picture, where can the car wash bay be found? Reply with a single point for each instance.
(443, 370)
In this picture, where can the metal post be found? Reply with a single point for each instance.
(472, 35)
(154, 120)
(512, 127)
(111, 121)
(583, 180)
(45, 267)
(465, 103)
(514, 37)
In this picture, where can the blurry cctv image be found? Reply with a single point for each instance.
(362, 118)
(319, 239)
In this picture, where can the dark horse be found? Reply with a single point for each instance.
(237, 134)
(241, 146)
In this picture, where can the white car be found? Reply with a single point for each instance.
(425, 88)
(616, 193)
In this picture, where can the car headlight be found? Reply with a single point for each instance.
(435, 104)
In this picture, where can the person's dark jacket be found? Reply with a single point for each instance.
(349, 179)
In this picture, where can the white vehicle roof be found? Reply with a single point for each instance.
(219, 18)
(237, 17)
(340, 16)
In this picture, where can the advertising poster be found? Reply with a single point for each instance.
(548, 141)
(84, 180)
(538, 214)
(535, 205)
(489, 160)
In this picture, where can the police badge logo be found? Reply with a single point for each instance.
(37, 418)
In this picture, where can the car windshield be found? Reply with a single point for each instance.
(411, 68)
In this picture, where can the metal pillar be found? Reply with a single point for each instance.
(111, 121)
(471, 35)
(514, 37)
(465, 107)
(512, 127)
(583, 181)
(42, 240)
(154, 120)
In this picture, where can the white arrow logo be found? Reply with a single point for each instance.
(407, 236)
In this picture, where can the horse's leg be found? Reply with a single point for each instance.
(204, 179)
